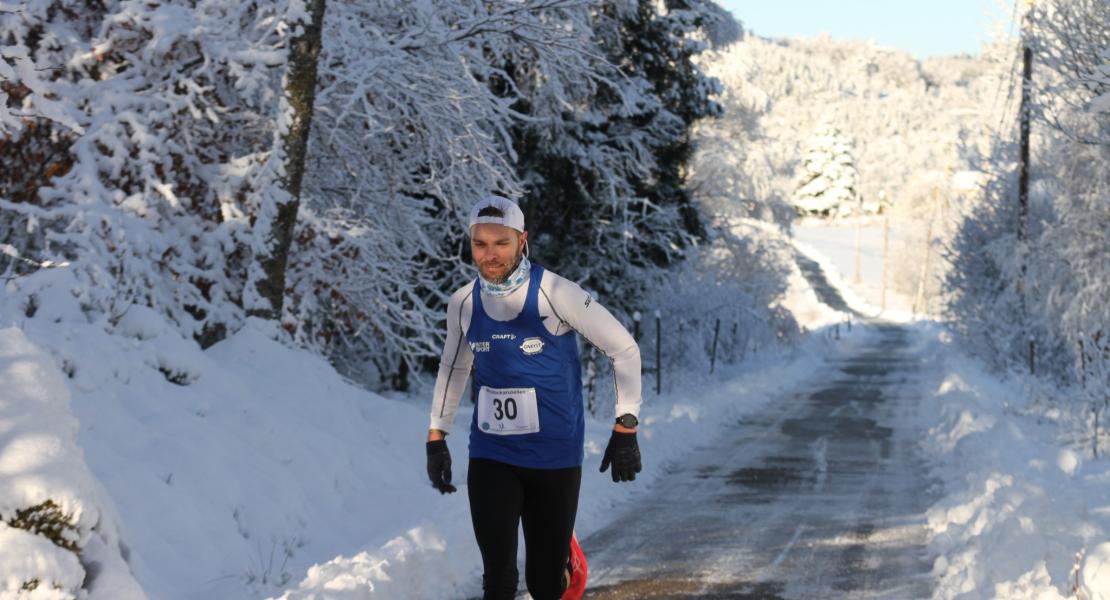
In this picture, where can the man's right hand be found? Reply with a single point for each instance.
(439, 466)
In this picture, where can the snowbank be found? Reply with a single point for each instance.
(58, 534)
(233, 469)
(1026, 515)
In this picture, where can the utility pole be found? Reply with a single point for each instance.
(856, 279)
(919, 298)
(1023, 177)
(886, 261)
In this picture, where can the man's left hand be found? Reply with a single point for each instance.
(624, 454)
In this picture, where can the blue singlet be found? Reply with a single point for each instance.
(506, 356)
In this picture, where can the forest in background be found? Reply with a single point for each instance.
(154, 157)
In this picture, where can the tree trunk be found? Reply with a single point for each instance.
(277, 215)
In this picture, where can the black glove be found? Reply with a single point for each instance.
(439, 466)
(624, 453)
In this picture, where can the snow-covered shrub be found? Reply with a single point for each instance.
(47, 519)
(736, 280)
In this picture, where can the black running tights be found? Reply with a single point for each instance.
(545, 501)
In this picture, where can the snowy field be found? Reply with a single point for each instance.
(252, 470)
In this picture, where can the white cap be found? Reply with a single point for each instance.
(512, 215)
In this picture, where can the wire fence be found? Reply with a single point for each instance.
(692, 345)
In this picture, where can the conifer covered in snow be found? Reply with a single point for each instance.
(827, 183)
(606, 173)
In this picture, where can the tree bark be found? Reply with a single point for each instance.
(277, 217)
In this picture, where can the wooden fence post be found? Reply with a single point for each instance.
(658, 352)
(713, 354)
(1032, 357)
(1082, 366)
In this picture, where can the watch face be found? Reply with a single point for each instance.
(628, 421)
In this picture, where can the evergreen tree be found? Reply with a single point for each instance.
(607, 174)
(828, 182)
(662, 47)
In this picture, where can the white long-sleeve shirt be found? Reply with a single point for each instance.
(564, 307)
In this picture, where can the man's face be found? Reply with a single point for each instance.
(496, 249)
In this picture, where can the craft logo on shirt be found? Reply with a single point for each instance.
(479, 346)
(504, 336)
(532, 345)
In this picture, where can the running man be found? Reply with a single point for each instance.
(515, 325)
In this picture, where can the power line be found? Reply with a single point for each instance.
(1010, 34)
(1005, 109)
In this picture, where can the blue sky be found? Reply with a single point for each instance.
(923, 27)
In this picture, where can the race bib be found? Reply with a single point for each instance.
(508, 411)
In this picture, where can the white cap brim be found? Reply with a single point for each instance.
(512, 216)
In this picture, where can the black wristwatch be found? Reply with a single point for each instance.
(628, 421)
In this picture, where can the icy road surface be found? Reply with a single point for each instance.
(823, 495)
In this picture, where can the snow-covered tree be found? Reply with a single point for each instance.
(147, 142)
(281, 197)
(827, 184)
(606, 175)
(144, 136)
(412, 127)
(1048, 289)
(148, 197)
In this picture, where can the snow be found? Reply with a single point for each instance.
(1024, 509)
(1021, 506)
(26, 557)
(262, 472)
(40, 462)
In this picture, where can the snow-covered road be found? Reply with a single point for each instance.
(822, 494)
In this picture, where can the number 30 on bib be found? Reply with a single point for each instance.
(508, 411)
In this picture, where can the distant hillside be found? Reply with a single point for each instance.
(909, 121)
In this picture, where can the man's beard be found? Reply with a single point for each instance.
(499, 279)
